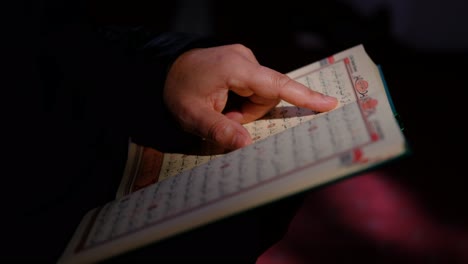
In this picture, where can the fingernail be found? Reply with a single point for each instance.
(329, 98)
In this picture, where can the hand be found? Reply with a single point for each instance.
(199, 81)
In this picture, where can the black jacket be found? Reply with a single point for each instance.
(76, 92)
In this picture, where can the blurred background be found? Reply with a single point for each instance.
(422, 46)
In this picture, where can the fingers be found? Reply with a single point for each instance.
(268, 84)
(252, 109)
(217, 128)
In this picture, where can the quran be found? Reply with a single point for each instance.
(294, 150)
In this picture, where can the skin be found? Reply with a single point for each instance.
(200, 80)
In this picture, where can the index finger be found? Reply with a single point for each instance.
(270, 84)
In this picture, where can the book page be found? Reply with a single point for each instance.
(301, 153)
(329, 76)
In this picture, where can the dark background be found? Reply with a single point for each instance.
(422, 47)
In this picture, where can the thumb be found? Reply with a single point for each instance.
(216, 127)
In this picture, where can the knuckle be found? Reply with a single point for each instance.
(242, 49)
(239, 47)
(280, 81)
(217, 130)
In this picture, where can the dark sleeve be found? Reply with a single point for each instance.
(149, 56)
(74, 95)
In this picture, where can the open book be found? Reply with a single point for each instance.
(294, 150)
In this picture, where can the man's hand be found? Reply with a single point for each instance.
(197, 86)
